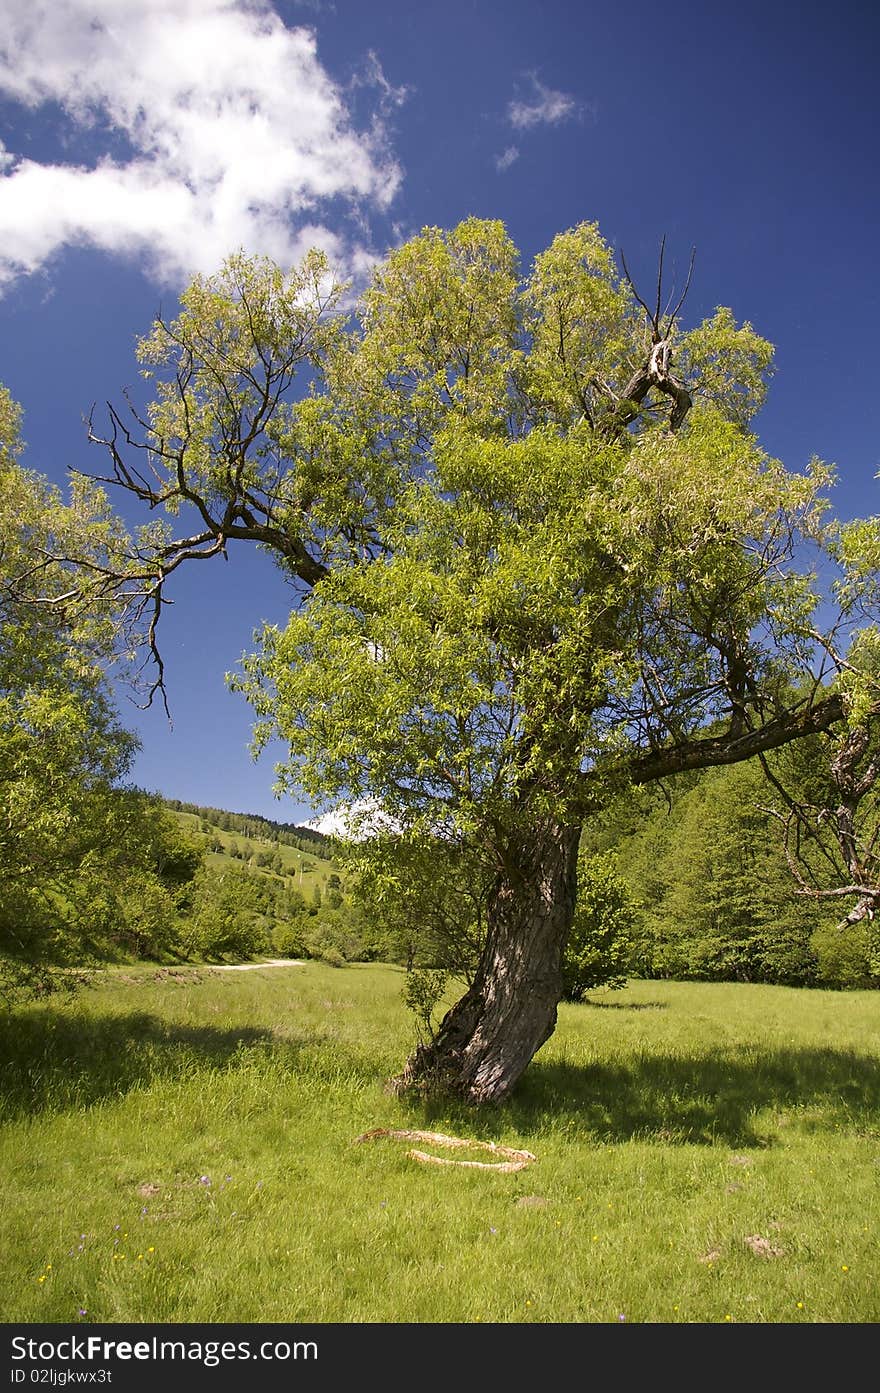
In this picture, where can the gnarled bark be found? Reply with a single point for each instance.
(489, 1037)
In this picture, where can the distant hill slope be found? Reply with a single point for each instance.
(281, 852)
(252, 825)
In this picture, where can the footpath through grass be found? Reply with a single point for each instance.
(179, 1146)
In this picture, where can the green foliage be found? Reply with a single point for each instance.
(600, 943)
(427, 897)
(423, 989)
(848, 958)
(510, 604)
(509, 589)
(336, 935)
(227, 918)
(230, 327)
(716, 898)
(287, 939)
(729, 365)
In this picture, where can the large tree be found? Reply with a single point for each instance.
(537, 555)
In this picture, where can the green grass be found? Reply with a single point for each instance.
(672, 1123)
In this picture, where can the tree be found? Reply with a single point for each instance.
(826, 799)
(428, 897)
(228, 916)
(531, 563)
(59, 742)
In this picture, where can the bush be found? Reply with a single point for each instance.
(598, 950)
(423, 990)
(227, 919)
(332, 957)
(848, 958)
(330, 932)
(287, 940)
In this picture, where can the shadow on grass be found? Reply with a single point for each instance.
(703, 1098)
(54, 1061)
(625, 1005)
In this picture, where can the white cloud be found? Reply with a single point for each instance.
(354, 822)
(546, 107)
(506, 158)
(374, 76)
(234, 135)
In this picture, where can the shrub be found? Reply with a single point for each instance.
(599, 946)
(227, 917)
(287, 939)
(329, 931)
(848, 958)
(423, 989)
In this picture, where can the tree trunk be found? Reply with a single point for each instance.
(488, 1038)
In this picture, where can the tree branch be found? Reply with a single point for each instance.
(713, 751)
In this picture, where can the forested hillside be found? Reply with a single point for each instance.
(252, 825)
(715, 896)
(269, 887)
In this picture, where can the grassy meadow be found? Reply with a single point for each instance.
(179, 1145)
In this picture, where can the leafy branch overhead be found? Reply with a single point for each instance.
(279, 421)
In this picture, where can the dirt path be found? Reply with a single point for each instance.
(249, 967)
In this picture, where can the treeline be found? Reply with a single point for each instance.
(714, 895)
(251, 825)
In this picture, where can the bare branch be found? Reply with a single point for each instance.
(655, 318)
(632, 286)
(672, 318)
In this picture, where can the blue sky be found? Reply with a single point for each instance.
(142, 140)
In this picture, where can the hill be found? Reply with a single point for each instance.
(254, 826)
(268, 887)
(275, 851)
